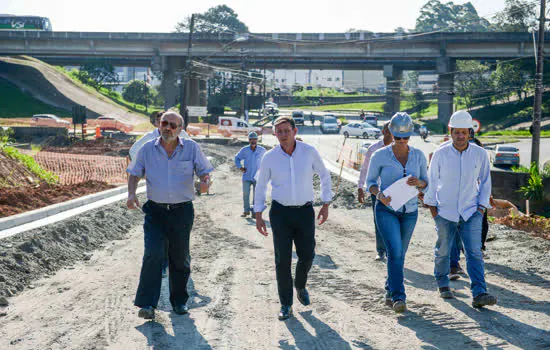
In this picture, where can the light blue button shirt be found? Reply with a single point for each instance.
(170, 179)
(459, 182)
(251, 160)
(385, 167)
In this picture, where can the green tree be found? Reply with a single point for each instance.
(136, 92)
(450, 17)
(97, 74)
(517, 16)
(216, 19)
(508, 78)
(473, 83)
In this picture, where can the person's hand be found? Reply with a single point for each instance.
(385, 200)
(260, 224)
(433, 210)
(414, 181)
(132, 202)
(323, 214)
(361, 196)
(205, 178)
(243, 169)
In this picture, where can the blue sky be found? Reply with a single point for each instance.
(282, 16)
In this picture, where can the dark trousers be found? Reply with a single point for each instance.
(292, 225)
(165, 229)
(380, 247)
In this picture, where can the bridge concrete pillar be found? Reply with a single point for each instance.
(169, 87)
(445, 69)
(393, 77)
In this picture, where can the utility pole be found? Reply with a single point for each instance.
(145, 88)
(537, 110)
(184, 78)
(244, 83)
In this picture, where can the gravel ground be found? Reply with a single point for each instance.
(91, 266)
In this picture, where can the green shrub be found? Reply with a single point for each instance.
(30, 164)
(535, 188)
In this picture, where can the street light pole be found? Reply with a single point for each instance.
(184, 77)
(537, 109)
(244, 85)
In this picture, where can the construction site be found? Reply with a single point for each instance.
(70, 251)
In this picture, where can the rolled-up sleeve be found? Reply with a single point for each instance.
(137, 166)
(263, 177)
(201, 163)
(485, 183)
(238, 158)
(324, 175)
(433, 177)
(374, 170)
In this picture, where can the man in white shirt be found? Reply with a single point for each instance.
(386, 140)
(458, 195)
(290, 167)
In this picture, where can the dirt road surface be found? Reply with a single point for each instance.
(234, 303)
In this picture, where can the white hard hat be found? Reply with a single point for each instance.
(461, 119)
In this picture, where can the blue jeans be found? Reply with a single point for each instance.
(380, 247)
(396, 229)
(165, 230)
(470, 234)
(456, 248)
(246, 194)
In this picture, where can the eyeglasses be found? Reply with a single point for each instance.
(173, 126)
(401, 138)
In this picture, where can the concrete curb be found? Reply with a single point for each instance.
(41, 213)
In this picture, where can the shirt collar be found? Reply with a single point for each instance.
(293, 153)
(180, 141)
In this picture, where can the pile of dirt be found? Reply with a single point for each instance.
(536, 225)
(18, 200)
(34, 254)
(106, 147)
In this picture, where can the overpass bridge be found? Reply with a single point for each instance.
(166, 52)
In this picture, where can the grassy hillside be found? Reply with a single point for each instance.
(18, 104)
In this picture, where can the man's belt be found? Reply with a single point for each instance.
(307, 205)
(170, 206)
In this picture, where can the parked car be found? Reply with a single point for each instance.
(329, 123)
(364, 130)
(109, 122)
(228, 126)
(49, 120)
(371, 119)
(298, 117)
(506, 155)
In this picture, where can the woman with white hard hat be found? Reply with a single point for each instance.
(396, 225)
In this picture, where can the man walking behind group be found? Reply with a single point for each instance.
(458, 195)
(290, 167)
(169, 164)
(387, 139)
(252, 156)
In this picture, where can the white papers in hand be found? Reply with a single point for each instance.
(400, 193)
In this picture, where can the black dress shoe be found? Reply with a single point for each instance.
(303, 296)
(181, 309)
(285, 313)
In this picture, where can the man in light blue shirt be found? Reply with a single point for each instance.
(458, 195)
(252, 156)
(169, 164)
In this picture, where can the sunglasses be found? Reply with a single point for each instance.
(173, 126)
(401, 138)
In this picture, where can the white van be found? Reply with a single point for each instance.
(228, 126)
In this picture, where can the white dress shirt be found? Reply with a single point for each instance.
(291, 177)
(366, 162)
(459, 182)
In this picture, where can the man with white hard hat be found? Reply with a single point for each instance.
(458, 195)
(252, 156)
